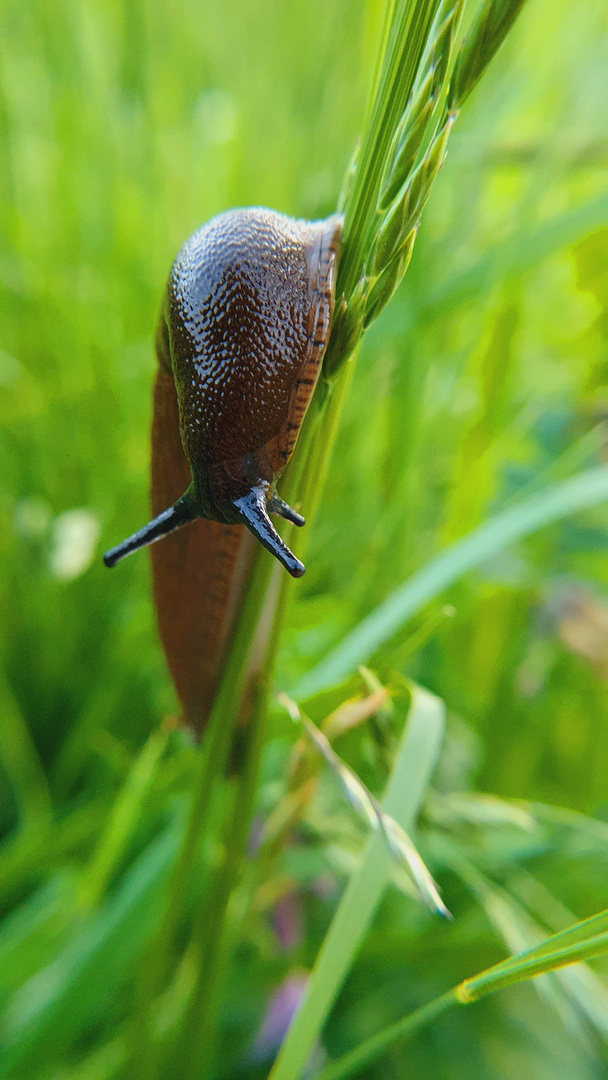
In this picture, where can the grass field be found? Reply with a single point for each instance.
(482, 383)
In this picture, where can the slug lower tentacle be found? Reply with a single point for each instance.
(244, 326)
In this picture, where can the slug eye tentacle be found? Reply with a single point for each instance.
(253, 510)
(277, 506)
(179, 514)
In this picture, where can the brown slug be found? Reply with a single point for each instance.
(243, 329)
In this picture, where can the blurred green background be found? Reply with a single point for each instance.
(122, 128)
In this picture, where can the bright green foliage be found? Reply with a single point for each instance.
(588, 938)
(461, 541)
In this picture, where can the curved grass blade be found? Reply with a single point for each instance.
(575, 993)
(361, 799)
(556, 502)
(413, 767)
(582, 941)
(59, 1003)
(521, 252)
(123, 819)
(20, 760)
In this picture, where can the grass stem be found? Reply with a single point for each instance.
(373, 1048)
(210, 773)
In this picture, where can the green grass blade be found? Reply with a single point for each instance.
(413, 768)
(30, 853)
(533, 964)
(555, 503)
(363, 802)
(373, 1048)
(582, 941)
(573, 994)
(29, 936)
(521, 252)
(21, 762)
(124, 817)
(210, 773)
(210, 941)
(60, 1001)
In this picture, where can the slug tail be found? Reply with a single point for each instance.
(199, 573)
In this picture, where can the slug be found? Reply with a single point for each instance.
(244, 325)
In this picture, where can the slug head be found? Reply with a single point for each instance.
(244, 326)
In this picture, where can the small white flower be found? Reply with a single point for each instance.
(75, 536)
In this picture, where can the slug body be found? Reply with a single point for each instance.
(244, 325)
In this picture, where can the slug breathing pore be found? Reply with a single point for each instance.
(244, 325)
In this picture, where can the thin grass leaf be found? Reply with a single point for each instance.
(520, 932)
(406, 854)
(582, 941)
(479, 809)
(591, 831)
(34, 930)
(398, 842)
(414, 764)
(372, 1049)
(555, 503)
(356, 792)
(124, 818)
(521, 252)
(356, 711)
(20, 760)
(60, 1001)
(587, 988)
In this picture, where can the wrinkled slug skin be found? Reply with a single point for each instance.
(198, 572)
(244, 326)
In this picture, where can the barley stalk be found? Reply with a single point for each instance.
(489, 29)
(383, 200)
